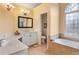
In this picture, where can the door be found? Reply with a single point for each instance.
(44, 27)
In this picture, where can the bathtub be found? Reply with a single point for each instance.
(14, 47)
(67, 42)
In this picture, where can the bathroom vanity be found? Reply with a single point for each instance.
(30, 38)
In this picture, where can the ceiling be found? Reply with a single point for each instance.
(28, 5)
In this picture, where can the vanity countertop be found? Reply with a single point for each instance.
(12, 46)
(68, 43)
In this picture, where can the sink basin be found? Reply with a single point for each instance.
(3, 42)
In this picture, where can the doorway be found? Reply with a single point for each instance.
(44, 28)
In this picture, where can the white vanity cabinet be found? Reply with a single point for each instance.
(30, 38)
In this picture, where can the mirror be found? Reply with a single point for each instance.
(25, 22)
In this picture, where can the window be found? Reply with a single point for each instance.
(72, 18)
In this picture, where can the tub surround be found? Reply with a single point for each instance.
(68, 43)
(13, 46)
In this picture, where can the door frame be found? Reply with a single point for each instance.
(48, 26)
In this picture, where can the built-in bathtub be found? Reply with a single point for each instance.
(14, 47)
(66, 42)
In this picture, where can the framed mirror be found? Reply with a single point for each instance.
(25, 22)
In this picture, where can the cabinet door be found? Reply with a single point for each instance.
(26, 39)
(30, 38)
(33, 38)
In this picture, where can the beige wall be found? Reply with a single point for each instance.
(62, 18)
(9, 19)
(54, 21)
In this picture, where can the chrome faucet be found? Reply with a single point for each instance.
(1, 42)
